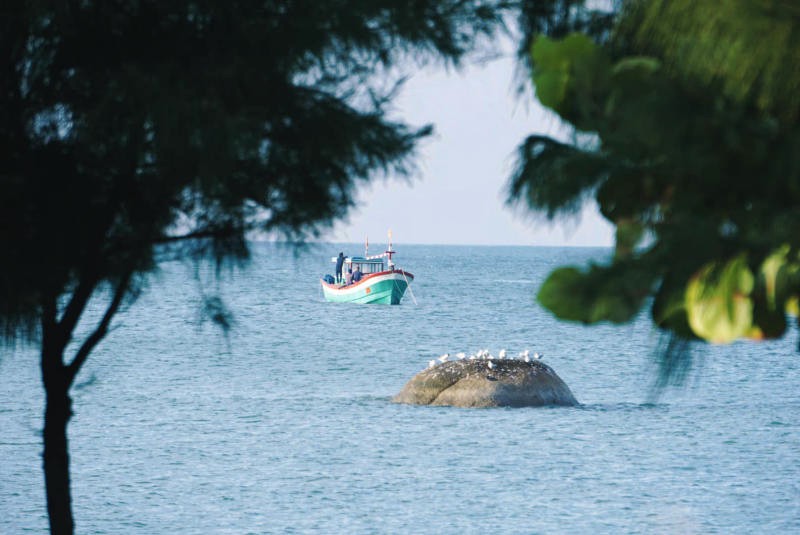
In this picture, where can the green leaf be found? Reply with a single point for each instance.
(793, 306)
(635, 66)
(669, 311)
(776, 293)
(557, 294)
(566, 68)
(770, 271)
(605, 293)
(718, 301)
(778, 278)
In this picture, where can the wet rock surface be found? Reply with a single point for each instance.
(487, 383)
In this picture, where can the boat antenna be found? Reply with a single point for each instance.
(366, 246)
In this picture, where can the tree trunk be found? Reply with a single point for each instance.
(58, 409)
(58, 378)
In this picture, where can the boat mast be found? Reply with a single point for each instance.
(390, 252)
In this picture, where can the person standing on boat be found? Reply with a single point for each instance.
(339, 264)
(357, 274)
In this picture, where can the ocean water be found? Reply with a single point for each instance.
(285, 426)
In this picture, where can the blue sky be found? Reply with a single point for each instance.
(458, 196)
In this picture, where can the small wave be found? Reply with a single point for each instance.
(609, 407)
(514, 281)
(776, 423)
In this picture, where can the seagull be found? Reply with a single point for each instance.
(502, 354)
(491, 365)
(461, 356)
(524, 355)
(431, 363)
(526, 358)
(537, 356)
(444, 357)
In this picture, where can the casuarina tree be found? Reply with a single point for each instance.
(685, 133)
(132, 129)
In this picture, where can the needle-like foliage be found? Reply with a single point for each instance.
(131, 128)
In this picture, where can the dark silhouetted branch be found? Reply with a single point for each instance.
(100, 331)
(77, 303)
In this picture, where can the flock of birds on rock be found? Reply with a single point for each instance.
(484, 354)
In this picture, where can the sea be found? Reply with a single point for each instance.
(285, 423)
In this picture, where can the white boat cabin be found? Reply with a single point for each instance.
(366, 266)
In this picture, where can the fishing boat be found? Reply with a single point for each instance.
(381, 281)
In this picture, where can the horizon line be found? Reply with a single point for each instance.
(337, 242)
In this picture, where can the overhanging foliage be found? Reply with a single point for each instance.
(697, 163)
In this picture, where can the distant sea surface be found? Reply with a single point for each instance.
(286, 425)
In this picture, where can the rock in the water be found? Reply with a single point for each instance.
(473, 383)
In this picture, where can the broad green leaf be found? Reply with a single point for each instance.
(635, 66)
(558, 295)
(718, 301)
(773, 273)
(605, 293)
(778, 283)
(793, 306)
(566, 68)
(669, 311)
(632, 78)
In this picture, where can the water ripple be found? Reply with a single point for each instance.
(288, 427)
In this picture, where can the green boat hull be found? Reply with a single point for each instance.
(386, 289)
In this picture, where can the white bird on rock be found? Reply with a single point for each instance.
(502, 354)
(461, 356)
(537, 356)
(444, 357)
(491, 365)
(524, 355)
(431, 363)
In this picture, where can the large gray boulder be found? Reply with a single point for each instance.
(487, 383)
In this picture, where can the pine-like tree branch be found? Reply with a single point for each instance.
(77, 303)
(101, 330)
(199, 234)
